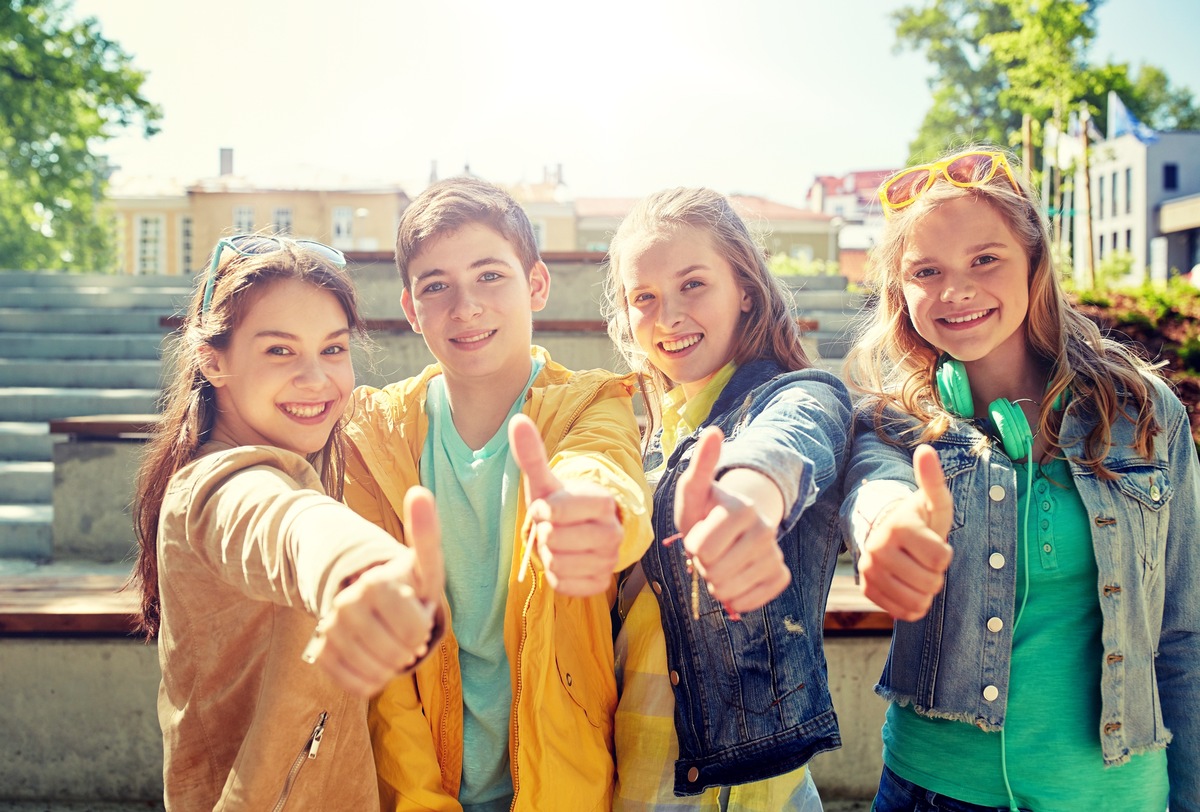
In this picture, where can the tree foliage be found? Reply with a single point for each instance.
(997, 60)
(64, 89)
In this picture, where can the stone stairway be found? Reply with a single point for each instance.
(70, 345)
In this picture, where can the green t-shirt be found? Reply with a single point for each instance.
(476, 493)
(1052, 726)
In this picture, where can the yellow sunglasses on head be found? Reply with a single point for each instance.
(966, 170)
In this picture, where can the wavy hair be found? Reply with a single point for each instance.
(895, 367)
(189, 406)
(768, 330)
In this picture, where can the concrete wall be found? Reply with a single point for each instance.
(82, 721)
(93, 489)
(576, 290)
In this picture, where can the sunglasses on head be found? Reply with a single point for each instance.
(256, 244)
(967, 170)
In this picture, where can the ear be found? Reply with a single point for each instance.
(539, 286)
(410, 312)
(211, 366)
(747, 303)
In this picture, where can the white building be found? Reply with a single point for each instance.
(1145, 202)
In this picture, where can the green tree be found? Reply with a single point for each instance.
(967, 80)
(995, 60)
(64, 89)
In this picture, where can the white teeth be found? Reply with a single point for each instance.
(474, 339)
(298, 410)
(965, 319)
(680, 344)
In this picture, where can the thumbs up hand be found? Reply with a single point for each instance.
(575, 524)
(905, 554)
(381, 624)
(729, 528)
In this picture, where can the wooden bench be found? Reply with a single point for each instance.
(80, 604)
(539, 325)
(95, 604)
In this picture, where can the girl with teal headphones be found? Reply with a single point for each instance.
(1021, 497)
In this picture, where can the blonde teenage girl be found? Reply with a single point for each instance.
(724, 697)
(243, 553)
(1039, 548)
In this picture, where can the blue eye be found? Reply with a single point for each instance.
(489, 276)
(924, 273)
(278, 351)
(692, 283)
(336, 349)
(434, 287)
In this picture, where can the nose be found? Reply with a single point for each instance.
(310, 374)
(670, 313)
(465, 307)
(957, 290)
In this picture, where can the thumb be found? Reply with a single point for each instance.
(424, 534)
(931, 484)
(693, 500)
(530, 453)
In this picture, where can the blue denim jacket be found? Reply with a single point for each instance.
(1145, 539)
(751, 696)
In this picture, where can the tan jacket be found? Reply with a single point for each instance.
(250, 553)
(559, 648)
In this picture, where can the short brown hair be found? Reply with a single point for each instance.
(450, 204)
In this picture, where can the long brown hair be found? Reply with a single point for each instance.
(189, 403)
(892, 364)
(767, 330)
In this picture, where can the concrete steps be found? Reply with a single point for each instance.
(70, 345)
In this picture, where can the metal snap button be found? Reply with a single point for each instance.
(995, 624)
(996, 493)
(996, 561)
(990, 693)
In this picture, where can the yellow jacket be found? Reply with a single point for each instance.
(559, 648)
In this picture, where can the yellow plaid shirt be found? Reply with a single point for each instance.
(646, 744)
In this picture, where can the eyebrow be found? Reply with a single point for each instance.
(974, 249)
(479, 263)
(293, 337)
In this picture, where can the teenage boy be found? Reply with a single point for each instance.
(517, 703)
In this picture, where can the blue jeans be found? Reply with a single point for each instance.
(898, 795)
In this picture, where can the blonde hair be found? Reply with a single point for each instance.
(767, 330)
(895, 367)
(189, 402)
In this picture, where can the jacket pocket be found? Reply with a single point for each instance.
(306, 754)
(583, 658)
(1147, 490)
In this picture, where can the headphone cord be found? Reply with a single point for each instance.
(1024, 565)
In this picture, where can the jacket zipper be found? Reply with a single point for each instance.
(516, 730)
(307, 753)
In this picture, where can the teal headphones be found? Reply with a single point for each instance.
(1006, 416)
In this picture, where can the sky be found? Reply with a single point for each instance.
(630, 96)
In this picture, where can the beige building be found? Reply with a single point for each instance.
(779, 228)
(170, 228)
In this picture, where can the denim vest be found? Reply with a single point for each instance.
(1143, 525)
(751, 696)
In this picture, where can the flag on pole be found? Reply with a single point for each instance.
(1122, 122)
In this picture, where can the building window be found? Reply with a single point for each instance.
(1128, 190)
(1100, 198)
(343, 227)
(1170, 177)
(243, 219)
(1114, 194)
(185, 245)
(149, 245)
(1129, 240)
(281, 220)
(1100, 253)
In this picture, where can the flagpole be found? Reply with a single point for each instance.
(1089, 255)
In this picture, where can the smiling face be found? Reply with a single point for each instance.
(684, 305)
(965, 280)
(471, 299)
(284, 378)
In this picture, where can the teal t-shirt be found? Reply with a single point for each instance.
(1052, 725)
(476, 493)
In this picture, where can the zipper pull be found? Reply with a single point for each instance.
(317, 734)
